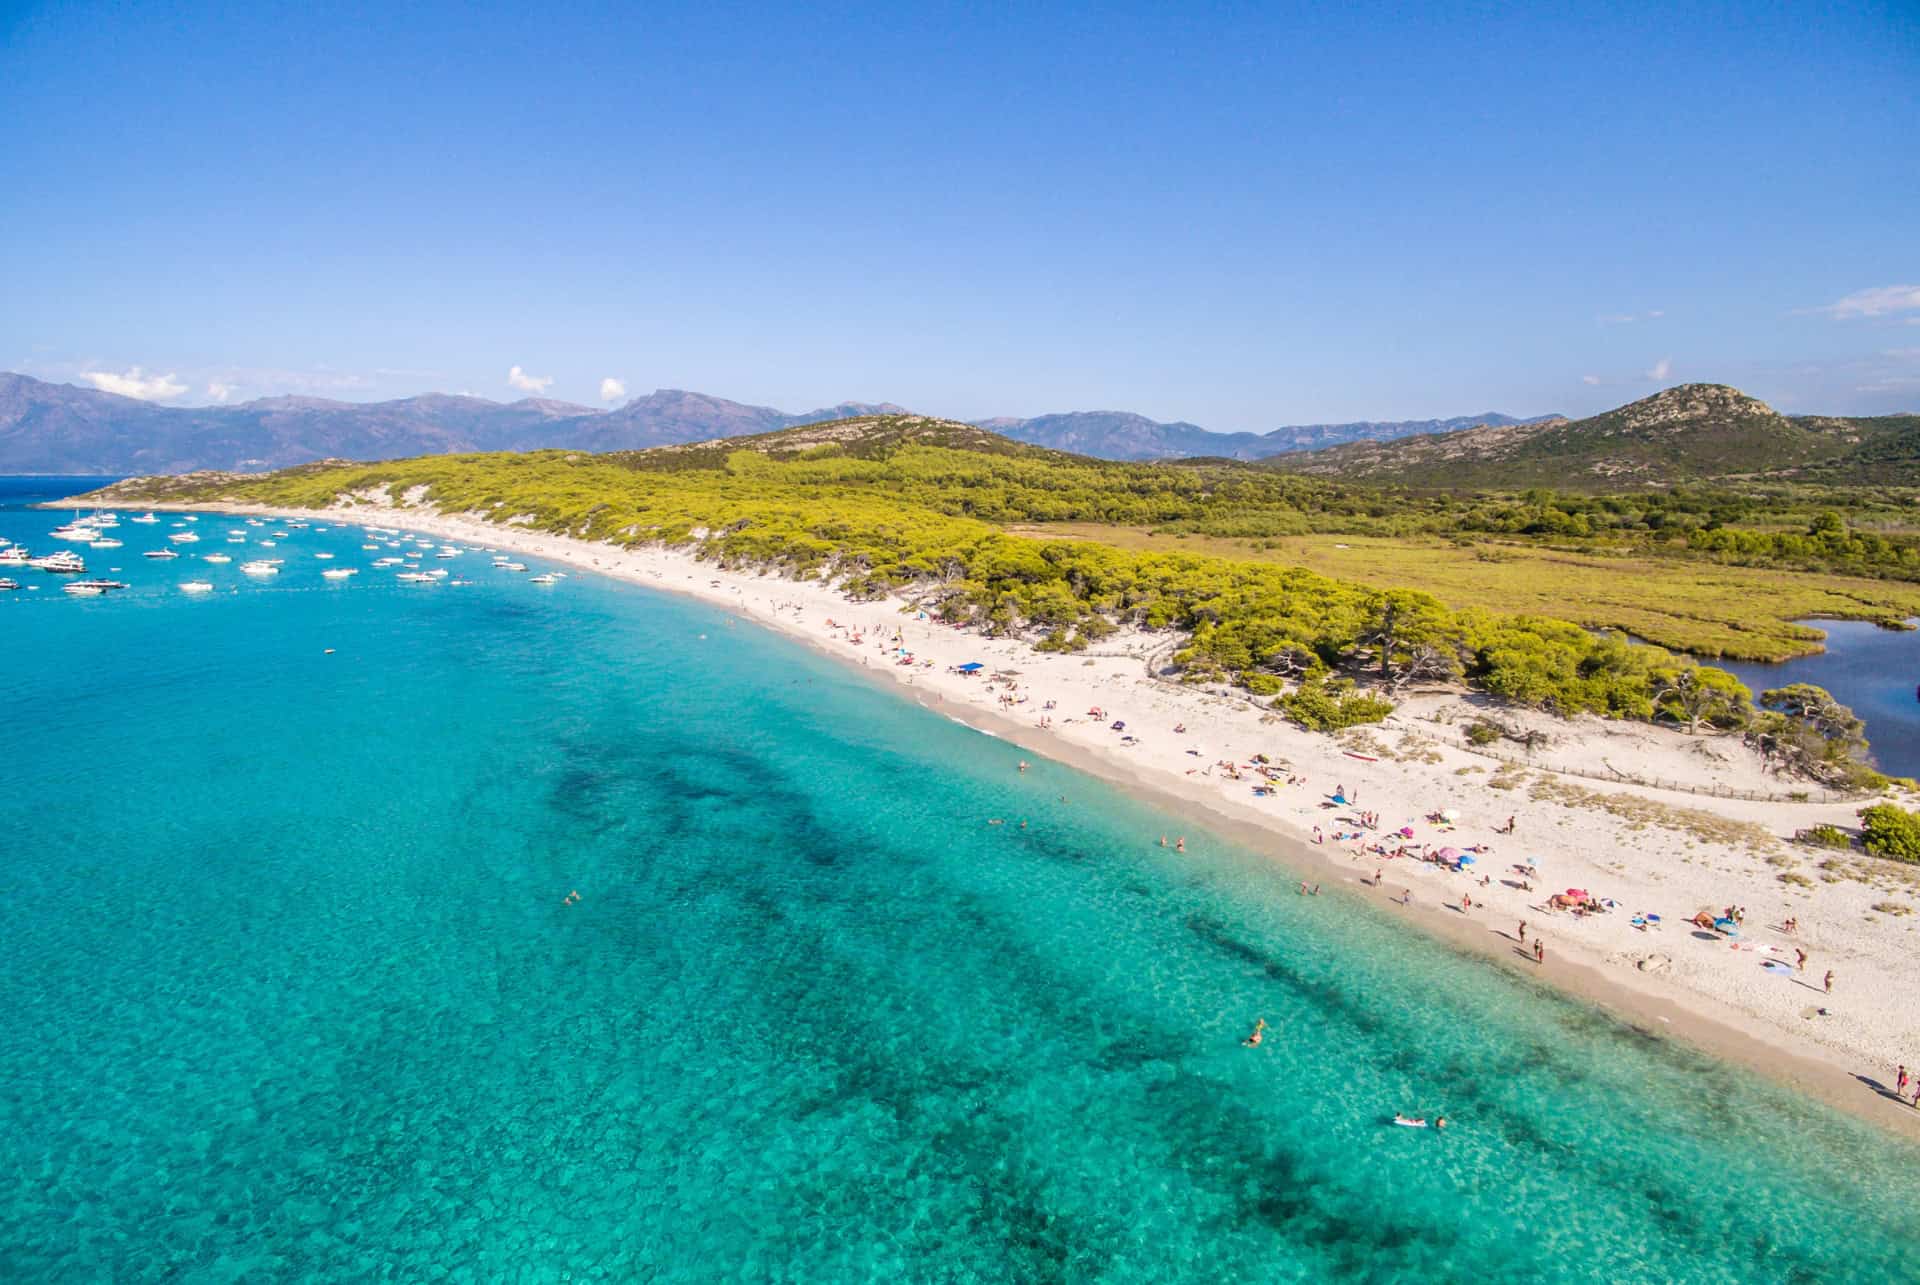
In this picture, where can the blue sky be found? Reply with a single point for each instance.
(1240, 215)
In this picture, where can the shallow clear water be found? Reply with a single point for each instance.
(290, 992)
(1874, 671)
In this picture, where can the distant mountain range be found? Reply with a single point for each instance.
(1121, 435)
(62, 428)
(1693, 432)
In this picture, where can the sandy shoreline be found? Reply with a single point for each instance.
(1659, 850)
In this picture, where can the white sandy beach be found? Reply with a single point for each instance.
(1671, 852)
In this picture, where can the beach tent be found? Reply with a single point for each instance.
(972, 667)
(1448, 854)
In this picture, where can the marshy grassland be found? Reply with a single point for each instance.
(1687, 604)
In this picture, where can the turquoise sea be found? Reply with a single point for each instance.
(289, 990)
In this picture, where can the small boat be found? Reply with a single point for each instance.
(8, 586)
(91, 588)
(145, 519)
(324, 557)
(75, 531)
(261, 567)
(63, 563)
(15, 556)
(340, 573)
(189, 518)
(512, 566)
(414, 577)
(196, 586)
(184, 537)
(104, 543)
(216, 557)
(544, 580)
(370, 546)
(159, 553)
(266, 544)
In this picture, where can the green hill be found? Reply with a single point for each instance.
(1691, 433)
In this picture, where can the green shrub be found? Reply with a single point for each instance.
(1327, 705)
(1824, 836)
(1891, 831)
(1482, 733)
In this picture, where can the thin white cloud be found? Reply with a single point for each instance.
(1591, 381)
(528, 383)
(147, 388)
(1661, 369)
(1628, 318)
(1879, 301)
(219, 390)
(612, 390)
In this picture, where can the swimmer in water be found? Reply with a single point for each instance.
(1259, 1033)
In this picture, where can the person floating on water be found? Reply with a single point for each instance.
(1258, 1034)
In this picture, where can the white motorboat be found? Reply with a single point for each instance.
(75, 531)
(324, 557)
(261, 567)
(340, 573)
(544, 580)
(64, 563)
(414, 577)
(145, 519)
(91, 588)
(184, 537)
(8, 586)
(16, 555)
(215, 557)
(196, 586)
(104, 543)
(159, 553)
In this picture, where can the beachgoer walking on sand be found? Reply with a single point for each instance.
(1379, 876)
(1539, 951)
(1259, 1033)
(1829, 981)
(1466, 901)
(1916, 1094)
(1800, 960)
(1523, 932)
(1406, 896)
(1900, 1086)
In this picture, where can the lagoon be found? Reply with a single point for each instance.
(1874, 671)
